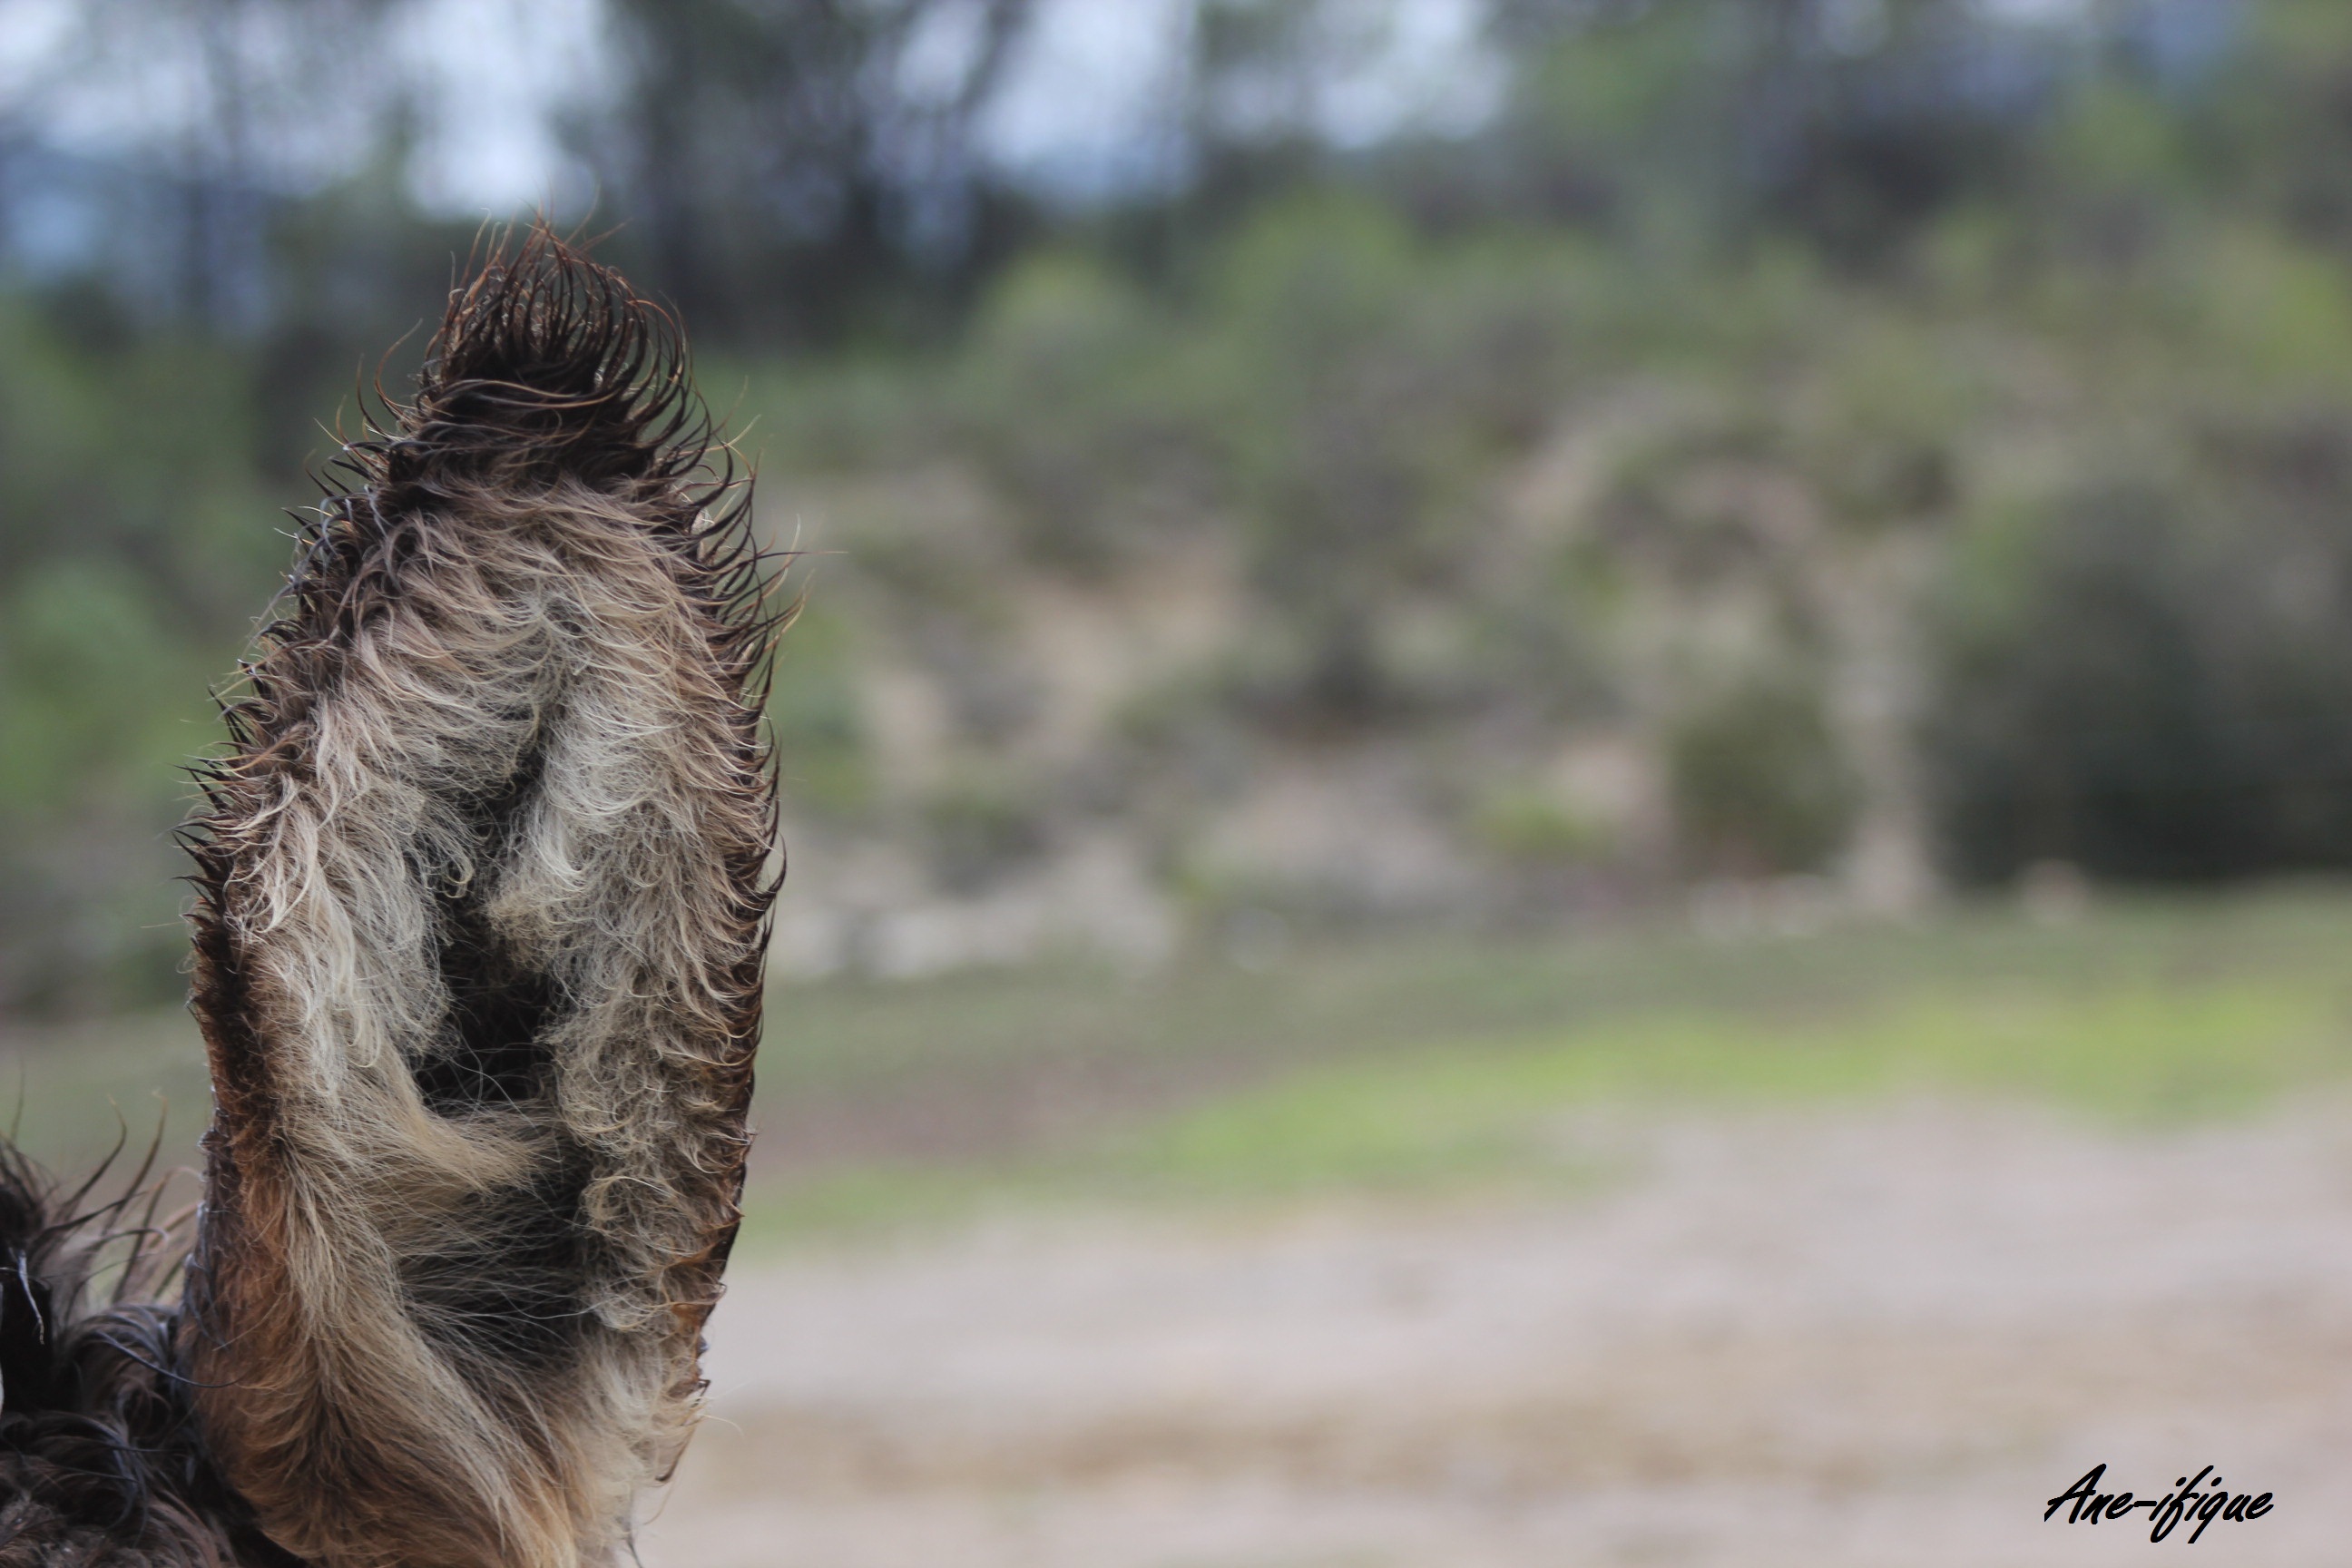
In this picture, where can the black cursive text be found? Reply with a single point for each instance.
(2166, 1513)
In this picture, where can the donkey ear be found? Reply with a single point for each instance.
(484, 883)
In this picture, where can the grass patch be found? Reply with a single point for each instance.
(1343, 999)
(2136, 1056)
(1482, 1112)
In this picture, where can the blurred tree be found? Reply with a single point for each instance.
(786, 166)
(1850, 122)
(187, 124)
(2277, 127)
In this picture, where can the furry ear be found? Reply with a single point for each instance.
(483, 887)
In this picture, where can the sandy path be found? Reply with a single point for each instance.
(1817, 1339)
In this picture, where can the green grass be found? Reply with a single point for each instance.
(2156, 1013)
(1443, 1117)
(845, 1038)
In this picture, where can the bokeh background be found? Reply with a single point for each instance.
(1564, 775)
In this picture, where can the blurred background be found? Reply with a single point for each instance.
(1562, 775)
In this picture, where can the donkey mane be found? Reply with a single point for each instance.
(482, 886)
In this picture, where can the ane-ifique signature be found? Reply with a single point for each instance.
(2166, 1513)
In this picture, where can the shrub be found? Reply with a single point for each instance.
(2156, 686)
(1759, 783)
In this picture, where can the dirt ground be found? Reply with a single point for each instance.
(1866, 1337)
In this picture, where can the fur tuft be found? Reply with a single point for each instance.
(99, 1457)
(482, 900)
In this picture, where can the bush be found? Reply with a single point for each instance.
(2156, 688)
(1759, 783)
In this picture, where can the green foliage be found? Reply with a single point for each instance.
(1358, 388)
(1530, 828)
(2141, 683)
(814, 714)
(133, 549)
(1922, 320)
(1065, 399)
(1739, 315)
(1759, 785)
(87, 694)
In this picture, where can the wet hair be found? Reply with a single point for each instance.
(482, 885)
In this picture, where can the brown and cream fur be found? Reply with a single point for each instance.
(482, 892)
